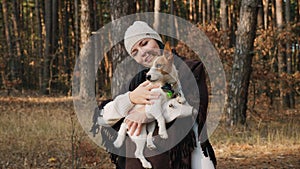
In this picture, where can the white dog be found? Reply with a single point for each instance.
(164, 73)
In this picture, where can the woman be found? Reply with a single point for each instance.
(144, 44)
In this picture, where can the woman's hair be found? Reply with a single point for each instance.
(160, 44)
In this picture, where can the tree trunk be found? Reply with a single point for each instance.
(279, 13)
(39, 43)
(145, 5)
(208, 10)
(200, 11)
(266, 12)
(291, 94)
(54, 44)
(213, 9)
(273, 13)
(191, 10)
(76, 27)
(119, 8)
(8, 41)
(16, 21)
(232, 15)
(260, 15)
(194, 11)
(287, 11)
(280, 52)
(87, 69)
(298, 11)
(118, 53)
(224, 22)
(241, 71)
(64, 63)
(156, 15)
(204, 12)
(48, 47)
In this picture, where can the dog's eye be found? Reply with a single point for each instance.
(158, 65)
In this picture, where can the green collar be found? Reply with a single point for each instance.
(169, 91)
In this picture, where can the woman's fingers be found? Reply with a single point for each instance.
(153, 95)
(129, 123)
(151, 86)
(133, 127)
(143, 94)
(138, 129)
(145, 83)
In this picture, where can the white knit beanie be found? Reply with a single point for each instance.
(137, 31)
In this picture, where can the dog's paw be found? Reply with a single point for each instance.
(150, 144)
(163, 134)
(146, 164)
(118, 143)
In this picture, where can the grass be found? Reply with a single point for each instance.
(37, 133)
(43, 132)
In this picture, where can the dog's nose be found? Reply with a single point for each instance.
(148, 77)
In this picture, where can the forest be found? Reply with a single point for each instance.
(41, 40)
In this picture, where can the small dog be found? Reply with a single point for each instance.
(164, 73)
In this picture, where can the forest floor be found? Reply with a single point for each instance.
(43, 132)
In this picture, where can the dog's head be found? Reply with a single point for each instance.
(162, 67)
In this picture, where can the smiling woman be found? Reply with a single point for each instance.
(145, 51)
(187, 145)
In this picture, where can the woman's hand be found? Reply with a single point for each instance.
(143, 95)
(133, 127)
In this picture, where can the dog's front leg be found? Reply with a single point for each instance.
(155, 110)
(150, 129)
(162, 130)
(121, 135)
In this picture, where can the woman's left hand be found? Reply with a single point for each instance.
(133, 127)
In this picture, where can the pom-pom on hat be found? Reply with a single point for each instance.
(137, 31)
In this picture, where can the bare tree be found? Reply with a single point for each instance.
(280, 53)
(266, 12)
(119, 8)
(241, 70)
(289, 59)
(204, 12)
(15, 17)
(118, 53)
(156, 10)
(48, 47)
(208, 10)
(224, 22)
(39, 41)
(87, 69)
(260, 15)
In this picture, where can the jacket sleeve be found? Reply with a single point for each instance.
(117, 109)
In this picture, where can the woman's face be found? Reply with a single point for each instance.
(145, 51)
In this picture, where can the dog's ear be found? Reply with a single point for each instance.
(168, 51)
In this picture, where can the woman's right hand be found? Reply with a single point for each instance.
(143, 95)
